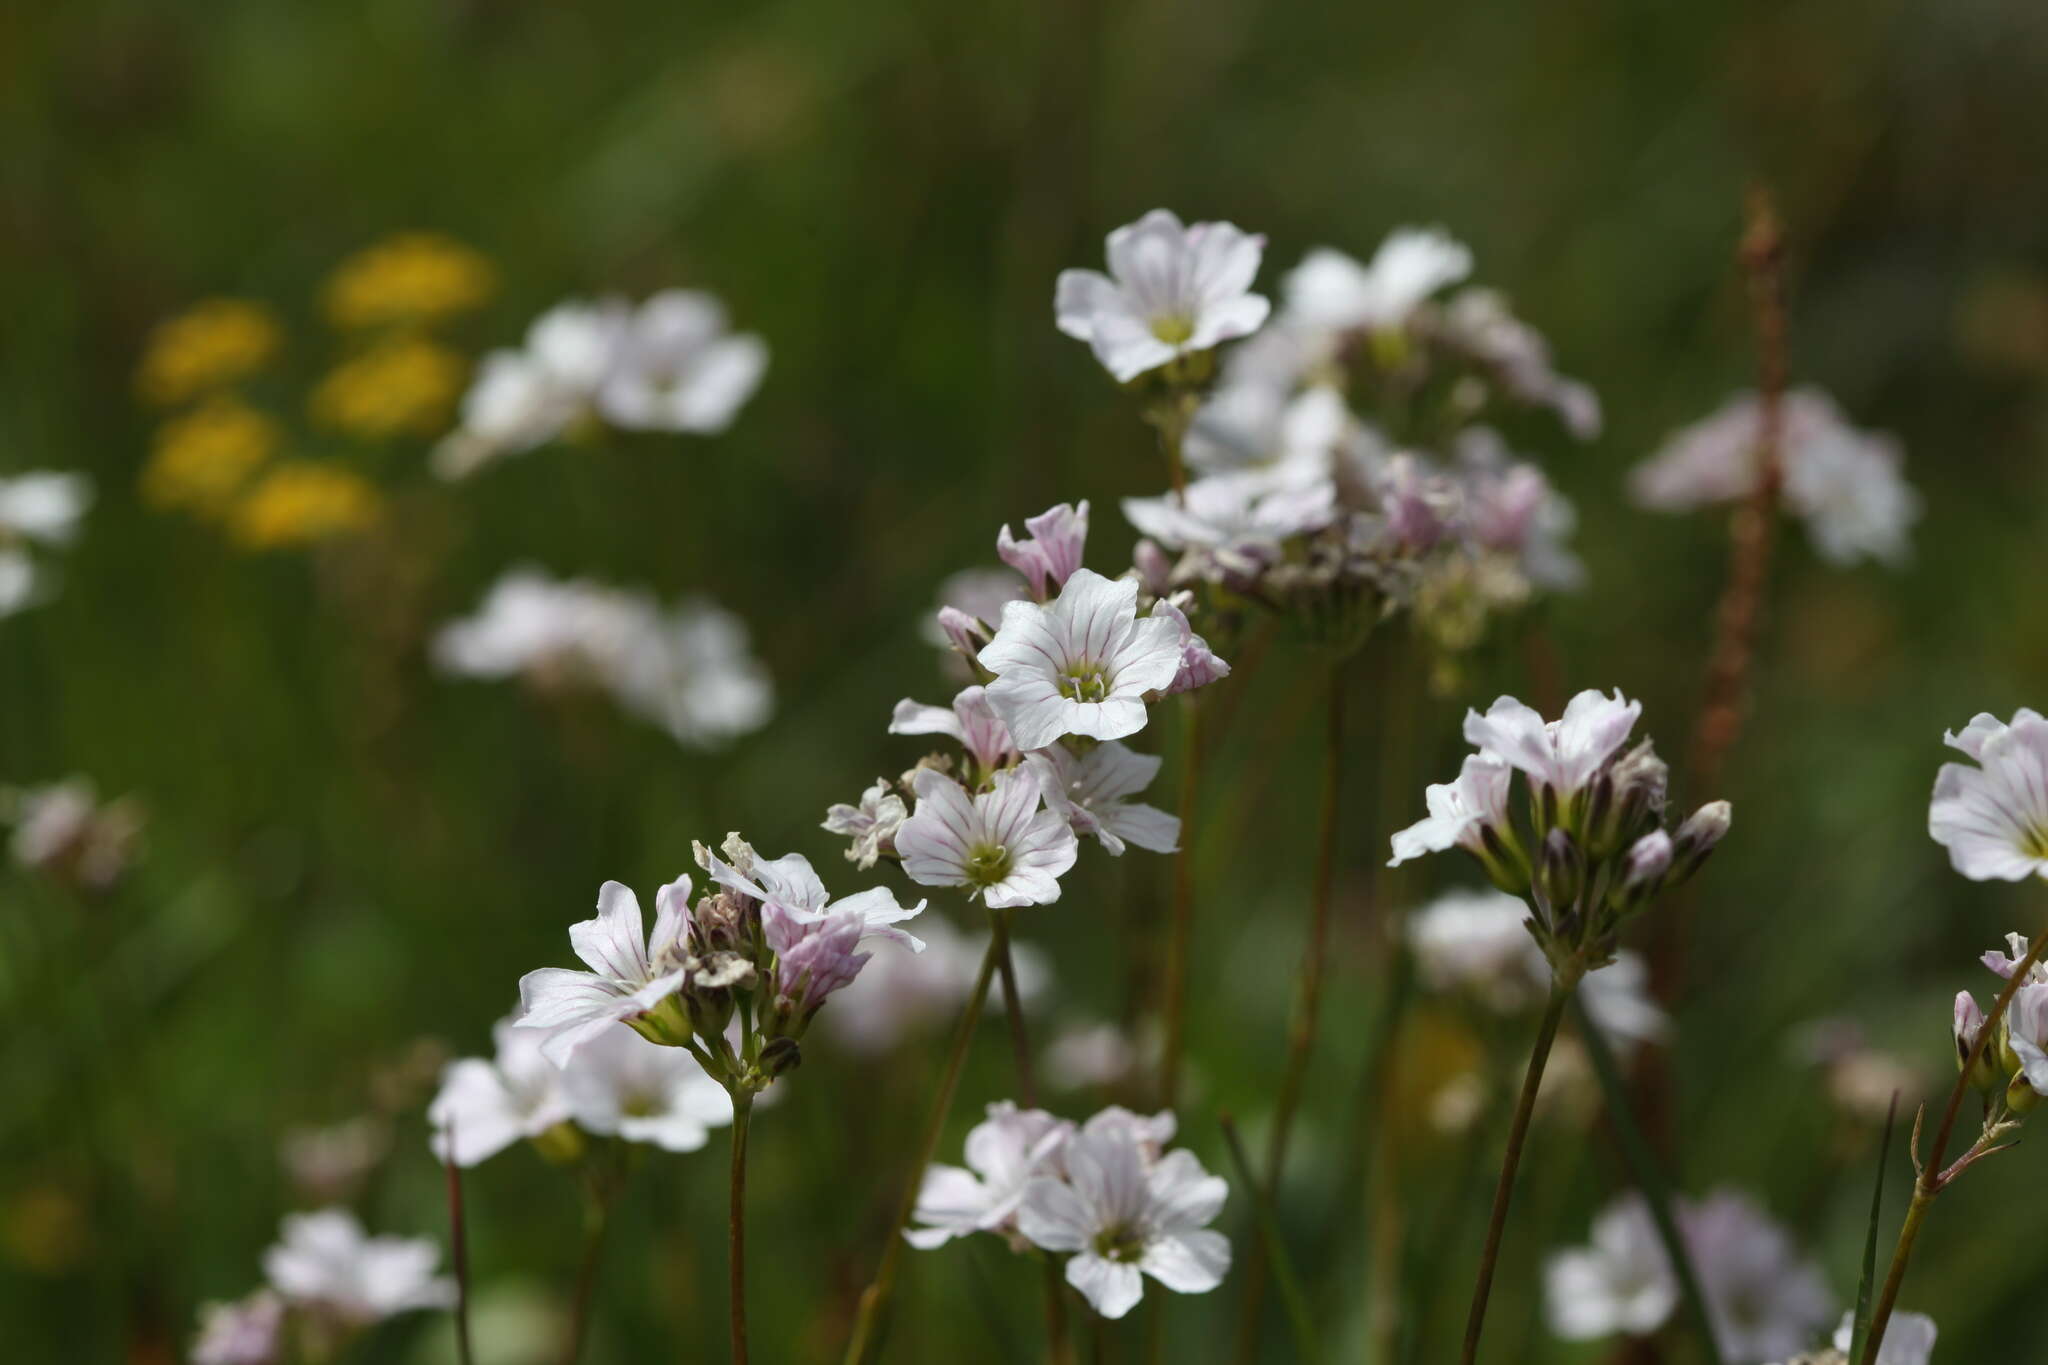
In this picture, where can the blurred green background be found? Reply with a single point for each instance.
(346, 855)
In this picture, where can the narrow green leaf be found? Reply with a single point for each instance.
(1861, 1332)
(1642, 1161)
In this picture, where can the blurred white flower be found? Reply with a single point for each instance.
(42, 507)
(900, 994)
(679, 367)
(249, 1331)
(1125, 1214)
(1000, 843)
(485, 1106)
(325, 1261)
(1908, 1338)
(525, 398)
(1081, 664)
(1090, 793)
(621, 1085)
(1102, 1055)
(1846, 484)
(329, 1165)
(1479, 323)
(66, 829)
(1332, 291)
(871, 824)
(1242, 515)
(628, 976)
(1622, 1283)
(1171, 291)
(1004, 1152)
(1993, 819)
(688, 669)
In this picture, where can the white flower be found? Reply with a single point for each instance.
(1089, 791)
(1004, 1152)
(899, 994)
(1908, 1339)
(970, 719)
(1081, 664)
(1000, 843)
(1245, 513)
(679, 367)
(628, 975)
(43, 506)
(1459, 812)
(1993, 819)
(1480, 323)
(700, 680)
(326, 1261)
(1199, 664)
(526, 398)
(1101, 1055)
(1856, 502)
(1621, 1283)
(620, 1084)
(19, 582)
(1331, 291)
(247, 1332)
(329, 1164)
(2026, 1030)
(1171, 291)
(789, 884)
(485, 1106)
(1124, 1217)
(1565, 754)
(65, 827)
(1149, 1133)
(871, 825)
(1058, 537)
(1766, 1301)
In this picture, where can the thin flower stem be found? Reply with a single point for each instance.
(1059, 1349)
(1306, 1344)
(1932, 1179)
(596, 1219)
(742, 1120)
(1301, 1036)
(1181, 928)
(458, 1252)
(1511, 1160)
(866, 1338)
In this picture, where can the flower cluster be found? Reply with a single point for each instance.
(2013, 1066)
(687, 668)
(671, 363)
(40, 509)
(1106, 1194)
(1595, 851)
(1845, 484)
(327, 1281)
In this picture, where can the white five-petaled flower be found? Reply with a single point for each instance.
(1000, 844)
(621, 1085)
(970, 719)
(1049, 558)
(485, 1106)
(527, 397)
(1622, 1283)
(1459, 812)
(679, 366)
(1172, 290)
(325, 1261)
(629, 973)
(1004, 1152)
(1081, 664)
(871, 824)
(1089, 793)
(40, 507)
(2026, 1031)
(1993, 818)
(1332, 291)
(1908, 1339)
(1125, 1215)
(1563, 755)
(249, 1331)
(1246, 513)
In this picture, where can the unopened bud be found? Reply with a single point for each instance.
(1698, 836)
(1560, 872)
(1507, 867)
(1634, 786)
(780, 1055)
(1969, 1023)
(964, 632)
(1643, 870)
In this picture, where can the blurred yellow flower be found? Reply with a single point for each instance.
(414, 277)
(204, 457)
(300, 503)
(406, 384)
(210, 345)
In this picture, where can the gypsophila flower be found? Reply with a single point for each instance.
(1908, 1339)
(1334, 292)
(1460, 812)
(1171, 291)
(249, 1331)
(1125, 1213)
(40, 508)
(680, 368)
(1199, 664)
(1089, 793)
(485, 1106)
(65, 829)
(1100, 1055)
(1000, 844)
(1993, 818)
(871, 824)
(1478, 324)
(1241, 517)
(326, 1262)
(898, 995)
(1005, 1151)
(1621, 1283)
(789, 884)
(971, 720)
(1562, 755)
(1049, 558)
(1081, 664)
(629, 973)
(619, 1084)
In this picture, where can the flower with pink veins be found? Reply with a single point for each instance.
(1993, 818)
(1058, 537)
(1081, 664)
(999, 844)
(1171, 291)
(1090, 792)
(1563, 755)
(970, 720)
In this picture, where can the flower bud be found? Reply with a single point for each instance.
(1969, 1023)
(1698, 836)
(780, 1055)
(1643, 869)
(1626, 798)
(2021, 1097)
(964, 632)
(1560, 872)
(1507, 867)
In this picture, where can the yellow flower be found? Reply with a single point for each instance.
(301, 502)
(414, 277)
(204, 457)
(406, 384)
(210, 345)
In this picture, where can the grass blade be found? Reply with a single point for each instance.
(1861, 1332)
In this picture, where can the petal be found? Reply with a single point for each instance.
(614, 943)
(1112, 1288)
(1054, 1217)
(913, 718)
(1192, 1263)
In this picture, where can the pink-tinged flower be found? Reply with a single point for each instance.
(485, 1106)
(249, 1331)
(1460, 812)
(324, 1260)
(1332, 291)
(1969, 1023)
(789, 884)
(1622, 1283)
(2006, 964)
(1125, 1217)
(1199, 664)
(621, 1085)
(1563, 755)
(1058, 537)
(1081, 664)
(970, 719)
(628, 975)
(871, 825)
(1245, 514)
(1171, 291)
(813, 957)
(1993, 819)
(680, 367)
(1767, 1301)
(1418, 504)
(1148, 1132)
(1004, 1152)
(1908, 1340)
(1089, 794)
(2026, 1029)
(999, 844)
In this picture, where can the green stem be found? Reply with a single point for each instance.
(742, 1117)
(1933, 1179)
(1511, 1160)
(1181, 928)
(875, 1299)
(596, 1219)
(1058, 1348)
(1306, 1344)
